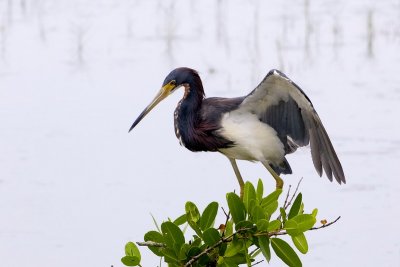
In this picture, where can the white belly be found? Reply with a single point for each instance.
(254, 140)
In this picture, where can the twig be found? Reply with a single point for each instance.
(226, 221)
(325, 225)
(283, 232)
(195, 258)
(257, 262)
(294, 194)
(226, 214)
(286, 204)
(151, 244)
(287, 195)
(222, 240)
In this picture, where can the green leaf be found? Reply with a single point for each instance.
(295, 209)
(257, 213)
(204, 260)
(196, 228)
(292, 228)
(229, 228)
(130, 260)
(180, 220)
(274, 225)
(222, 248)
(173, 236)
(220, 261)
(262, 225)
(194, 251)
(208, 216)
(227, 263)
(235, 260)
(211, 236)
(283, 214)
(270, 202)
(299, 224)
(196, 241)
(184, 251)
(314, 213)
(132, 250)
(300, 242)
(193, 217)
(285, 252)
(192, 213)
(234, 247)
(263, 241)
(271, 208)
(236, 207)
(249, 195)
(155, 237)
(248, 259)
(170, 255)
(271, 197)
(260, 190)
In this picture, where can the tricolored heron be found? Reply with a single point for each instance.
(273, 120)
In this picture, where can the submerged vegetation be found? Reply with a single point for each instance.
(250, 233)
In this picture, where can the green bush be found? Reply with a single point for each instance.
(252, 227)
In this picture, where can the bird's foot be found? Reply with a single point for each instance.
(278, 180)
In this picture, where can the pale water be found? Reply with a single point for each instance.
(75, 186)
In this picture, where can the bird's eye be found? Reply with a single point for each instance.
(173, 82)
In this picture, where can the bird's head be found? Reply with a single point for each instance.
(175, 79)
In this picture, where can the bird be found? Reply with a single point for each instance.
(273, 120)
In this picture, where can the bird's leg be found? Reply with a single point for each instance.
(238, 176)
(279, 181)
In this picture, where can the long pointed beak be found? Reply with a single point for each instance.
(162, 94)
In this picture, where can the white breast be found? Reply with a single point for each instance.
(254, 140)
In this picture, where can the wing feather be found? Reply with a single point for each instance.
(282, 104)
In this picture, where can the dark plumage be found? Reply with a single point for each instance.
(198, 129)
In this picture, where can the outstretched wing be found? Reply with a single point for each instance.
(280, 103)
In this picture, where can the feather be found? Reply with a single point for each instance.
(284, 106)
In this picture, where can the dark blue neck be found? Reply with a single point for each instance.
(187, 117)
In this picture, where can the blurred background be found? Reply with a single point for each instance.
(75, 186)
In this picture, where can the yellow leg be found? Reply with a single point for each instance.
(238, 176)
(279, 181)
